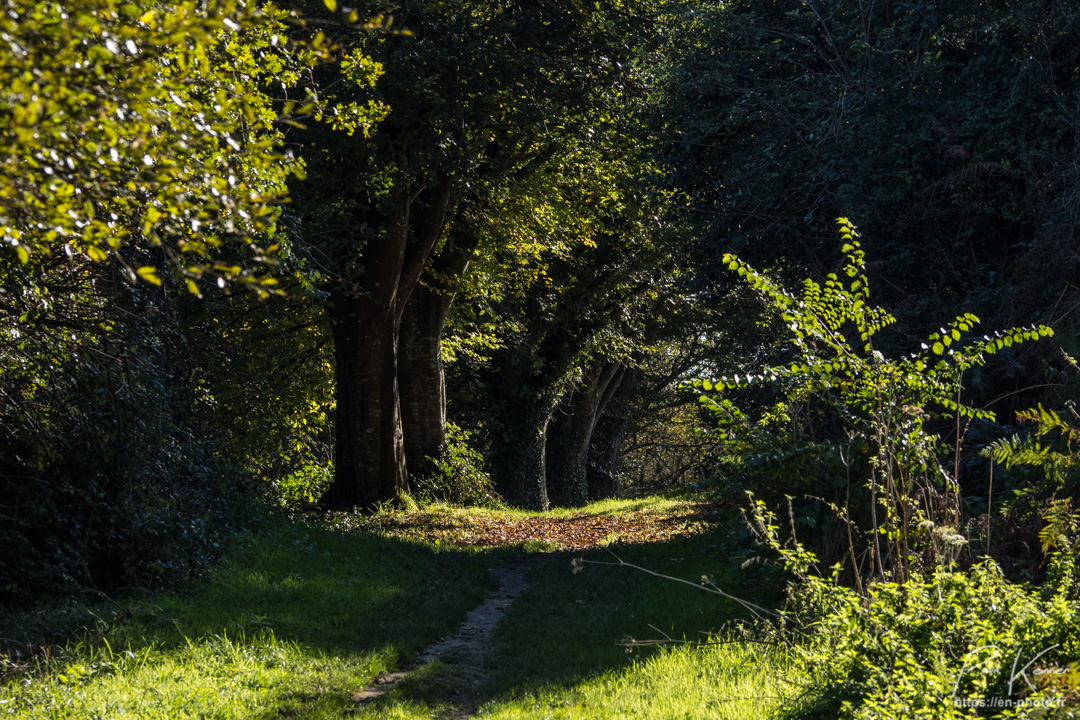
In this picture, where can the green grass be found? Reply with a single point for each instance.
(561, 650)
(575, 623)
(739, 681)
(577, 627)
(294, 621)
(299, 617)
(214, 677)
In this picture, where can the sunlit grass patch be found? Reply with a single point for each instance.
(740, 681)
(562, 650)
(294, 621)
(569, 626)
(216, 677)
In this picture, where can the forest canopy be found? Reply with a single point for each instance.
(339, 257)
(787, 288)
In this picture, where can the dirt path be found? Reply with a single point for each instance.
(466, 651)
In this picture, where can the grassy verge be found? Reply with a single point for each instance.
(735, 681)
(561, 649)
(294, 621)
(299, 617)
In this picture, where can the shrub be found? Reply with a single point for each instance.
(302, 489)
(843, 400)
(108, 476)
(458, 477)
(940, 645)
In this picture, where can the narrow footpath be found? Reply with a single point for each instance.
(465, 652)
(457, 688)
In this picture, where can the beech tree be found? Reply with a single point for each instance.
(587, 274)
(477, 93)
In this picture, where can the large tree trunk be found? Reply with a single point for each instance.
(570, 434)
(420, 367)
(518, 459)
(422, 382)
(366, 318)
(369, 454)
(517, 451)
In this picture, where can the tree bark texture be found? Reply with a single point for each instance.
(570, 434)
(366, 317)
(422, 382)
(420, 369)
(369, 453)
(603, 456)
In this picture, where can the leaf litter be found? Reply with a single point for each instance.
(579, 531)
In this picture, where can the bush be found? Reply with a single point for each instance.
(109, 476)
(458, 477)
(302, 489)
(937, 646)
(844, 404)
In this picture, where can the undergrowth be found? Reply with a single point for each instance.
(941, 645)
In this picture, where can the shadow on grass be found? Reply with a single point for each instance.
(327, 589)
(307, 583)
(356, 604)
(570, 628)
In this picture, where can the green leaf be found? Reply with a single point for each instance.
(149, 274)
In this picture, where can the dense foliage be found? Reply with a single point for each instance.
(472, 252)
(942, 644)
(146, 128)
(864, 415)
(139, 162)
(893, 628)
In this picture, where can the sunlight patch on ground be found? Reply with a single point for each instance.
(600, 524)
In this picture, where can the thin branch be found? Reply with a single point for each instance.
(709, 587)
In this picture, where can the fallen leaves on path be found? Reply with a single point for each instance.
(572, 532)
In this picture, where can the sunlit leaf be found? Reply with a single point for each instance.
(149, 274)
